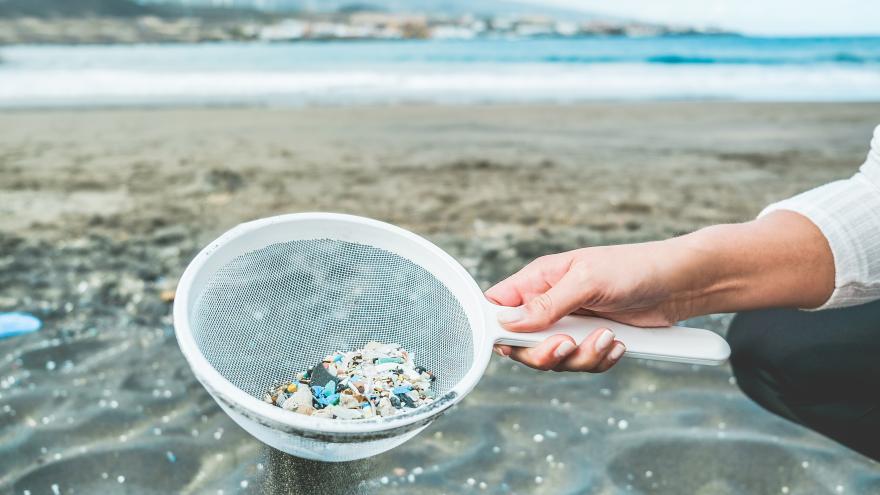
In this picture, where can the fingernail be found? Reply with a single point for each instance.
(499, 351)
(604, 340)
(510, 315)
(616, 352)
(564, 349)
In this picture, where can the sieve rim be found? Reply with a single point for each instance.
(220, 388)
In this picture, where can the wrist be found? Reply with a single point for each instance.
(712, 278)
(696, 278)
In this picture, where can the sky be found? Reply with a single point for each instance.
(785, 17)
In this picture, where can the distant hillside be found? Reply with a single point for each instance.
(432, 7)
(123, 9)
(74, 8)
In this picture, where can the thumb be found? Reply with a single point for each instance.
(545, 309)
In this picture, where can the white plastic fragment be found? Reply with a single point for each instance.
(303, 399)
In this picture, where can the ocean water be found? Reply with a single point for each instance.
(486, 70)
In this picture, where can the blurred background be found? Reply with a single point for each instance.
(134, 132)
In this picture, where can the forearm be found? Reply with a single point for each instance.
(780, 260)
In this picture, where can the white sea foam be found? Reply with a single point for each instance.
(517, 83)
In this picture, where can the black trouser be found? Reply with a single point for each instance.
(820, 369)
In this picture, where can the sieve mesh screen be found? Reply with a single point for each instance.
(272, 312)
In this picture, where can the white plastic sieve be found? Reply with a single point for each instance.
(273, 296)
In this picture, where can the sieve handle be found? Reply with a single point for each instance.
(675, 344)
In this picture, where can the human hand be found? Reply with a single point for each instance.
(622, 283)
(779, 260)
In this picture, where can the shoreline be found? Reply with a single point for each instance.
(378, 106)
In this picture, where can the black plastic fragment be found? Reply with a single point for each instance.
(320, 375)
(407, 400)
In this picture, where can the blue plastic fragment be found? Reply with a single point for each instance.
(337, 358)
(171, 457)
(384, 360)
(18, 323)
(402, 389)
(330, 388)
(328, 400)
(318, 391)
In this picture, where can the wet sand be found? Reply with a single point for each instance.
(100, 210)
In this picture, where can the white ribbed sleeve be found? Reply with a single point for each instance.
(848, 214)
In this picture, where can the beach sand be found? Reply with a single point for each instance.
(100, 211)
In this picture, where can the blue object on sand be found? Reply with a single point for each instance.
(18, 323)
(401, 389)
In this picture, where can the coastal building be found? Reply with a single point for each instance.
(452, 32)
(391, 25)
(287, 30)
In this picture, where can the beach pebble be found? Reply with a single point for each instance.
(166, 296)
